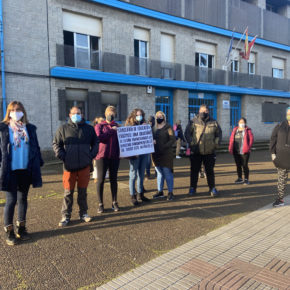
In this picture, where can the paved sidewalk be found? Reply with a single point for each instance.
(252, 252)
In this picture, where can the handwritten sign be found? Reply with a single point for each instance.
(135, 140)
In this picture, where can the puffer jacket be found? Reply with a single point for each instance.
(210, 139)
(34, 163)
(280, 145)
(76, 145)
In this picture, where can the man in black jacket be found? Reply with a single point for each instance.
(280, 150)
(76, 144)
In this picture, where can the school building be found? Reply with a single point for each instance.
(164, 55)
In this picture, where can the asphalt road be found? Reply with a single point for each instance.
(88, 255)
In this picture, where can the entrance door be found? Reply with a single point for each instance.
(164, 103)
(235, 104)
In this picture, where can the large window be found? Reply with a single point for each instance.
(167, 52)
(83, 50)
(141, 50)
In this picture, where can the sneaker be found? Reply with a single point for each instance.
(10, 236)
(170, 196)
(115, 206)
(101, 208)
(178, 157)
(64, 222)
(192, 192)
(239, 181)
(85, 218)
(214, 193)
(21, 231)
(159, 194)
(278, 202)
(134, 200)
(246, 182)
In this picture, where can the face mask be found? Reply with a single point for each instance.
(288, 117)
(159, 121)
(110, 118)
(16, 116)
(203, 115)
(76, 118)
(242, 125)
(139, 118)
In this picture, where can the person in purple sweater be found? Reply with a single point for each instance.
(108, 157)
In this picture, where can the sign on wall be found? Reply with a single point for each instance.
(226, 104)
(135, 140)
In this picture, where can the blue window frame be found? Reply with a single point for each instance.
(164, 103)
(235, 105)
(196, 99)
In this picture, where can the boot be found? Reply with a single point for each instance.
(21, 232)
(10, 235)
(142, 197)
(134, 200)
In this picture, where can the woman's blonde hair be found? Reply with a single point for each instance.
(10, 107)
(110, 109)
(160, 113)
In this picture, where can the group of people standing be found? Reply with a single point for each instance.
(77, 144)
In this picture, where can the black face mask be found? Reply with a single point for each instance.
(159, 121)
(110, 118)
(204, 116)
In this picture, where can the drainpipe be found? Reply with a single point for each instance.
(2, 60)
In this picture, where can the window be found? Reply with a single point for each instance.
(82, 50)
(278, 66)
(273, 112)
(197, 99)
(141, 50)
(278, 73)
(167, 53)
(78, 98)
(82, 35)
(235, 66)
(251, 68)
(204, 60)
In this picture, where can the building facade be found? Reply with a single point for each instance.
(164, 55)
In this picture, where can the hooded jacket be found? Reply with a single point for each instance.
(210, 139)
(109, 144)
(248, 140)
(34, 158)
(76, 144)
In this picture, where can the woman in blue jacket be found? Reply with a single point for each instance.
(19, 168)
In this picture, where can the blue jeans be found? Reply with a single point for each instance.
(148, 165)
(17, 194)
(167, 174)
(137, 171)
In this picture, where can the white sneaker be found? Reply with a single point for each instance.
(182, 148)
(85, 218)
(178, 157)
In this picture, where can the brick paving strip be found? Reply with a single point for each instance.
(252, 252)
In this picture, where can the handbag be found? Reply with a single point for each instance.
(195, 147)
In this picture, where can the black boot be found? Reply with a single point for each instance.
(141, 197)
(21, 232)
(134, 200)
(10, 236)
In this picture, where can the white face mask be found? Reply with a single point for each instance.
(242, 125)
(16, 115)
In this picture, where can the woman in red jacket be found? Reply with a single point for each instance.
(241, 141)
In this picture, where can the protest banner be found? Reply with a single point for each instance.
(135, 140)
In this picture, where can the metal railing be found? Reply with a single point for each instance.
(122, 64)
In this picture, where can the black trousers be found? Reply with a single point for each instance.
(102, 166)
(242, 164)
(209, 161)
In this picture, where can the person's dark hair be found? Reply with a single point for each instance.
(131, 120)
(244, 119)
(75, 107)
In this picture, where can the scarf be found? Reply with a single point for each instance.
(19, 132)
